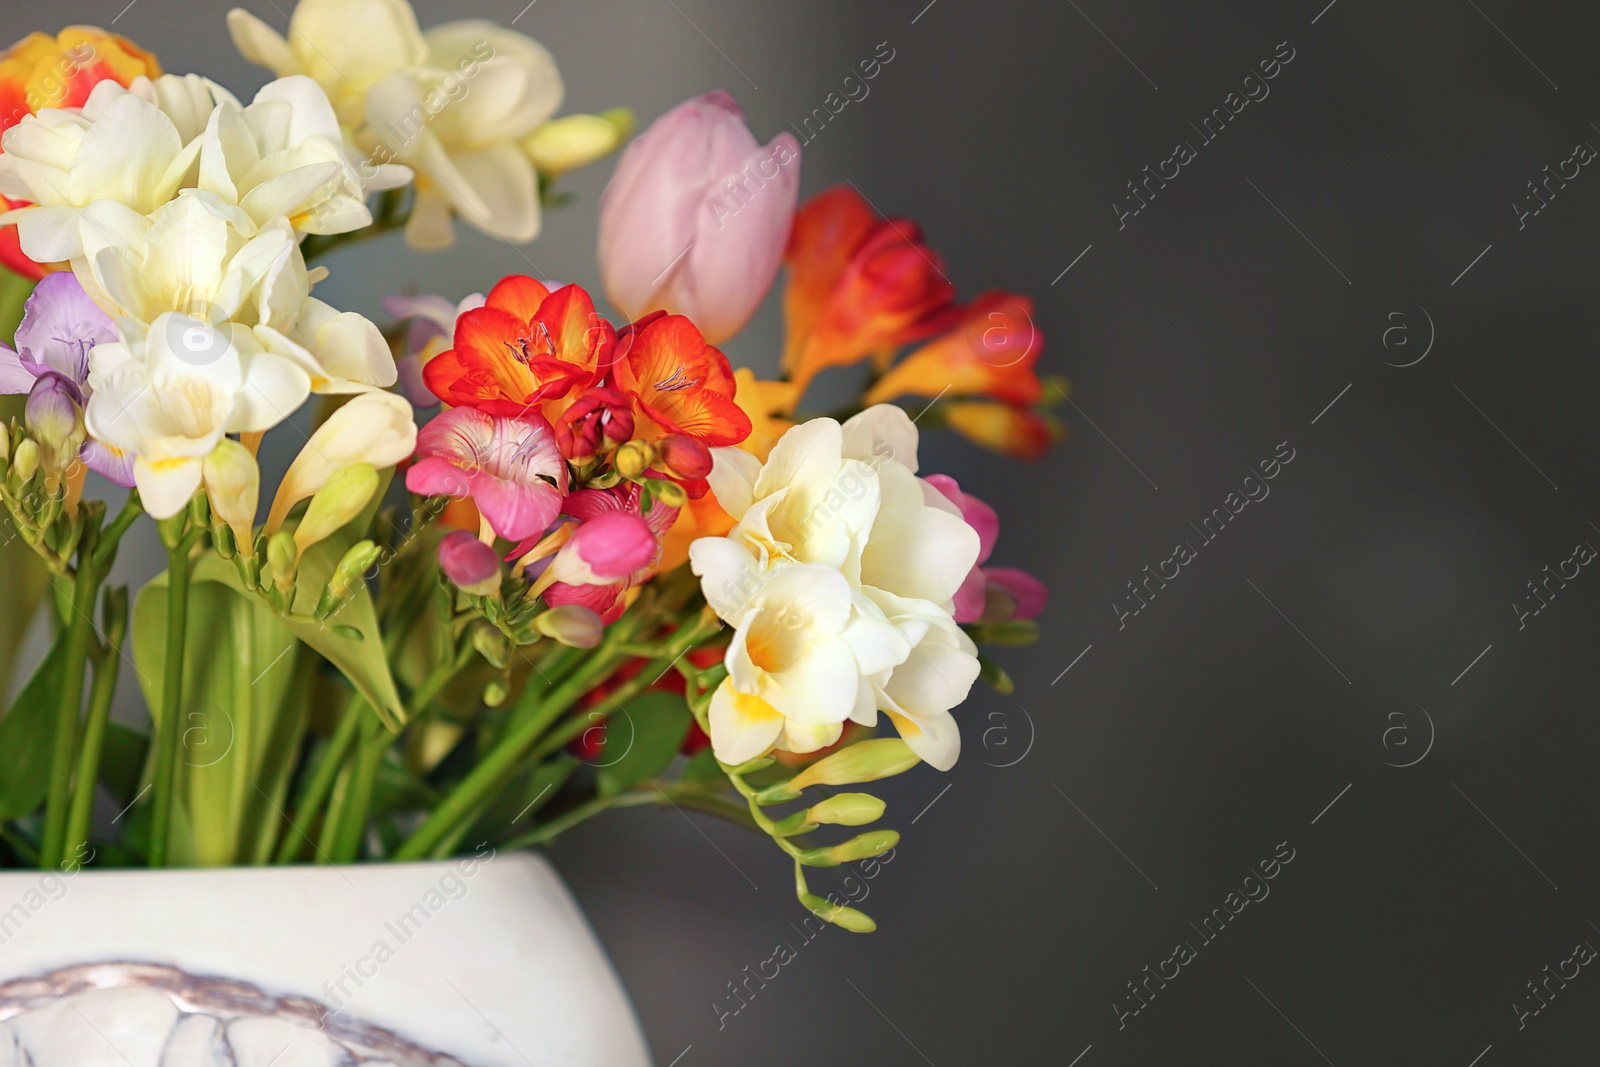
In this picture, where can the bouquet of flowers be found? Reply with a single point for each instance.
(514, 518)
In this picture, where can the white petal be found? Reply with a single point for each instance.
(166, 486)
(260, 44)
(502, 178)
(729, 576)
(733, 479)
(882, 433)
(742, 726)
(273, 388)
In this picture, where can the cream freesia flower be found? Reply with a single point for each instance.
(375, 429)
(347, 46)
(806, 645)
(846, 501)
(459, 120)
(168, 393)
(118, 147)
(195, 255)
(285, 155)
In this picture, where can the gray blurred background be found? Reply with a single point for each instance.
(1363, 616)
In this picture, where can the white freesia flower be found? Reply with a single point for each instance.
(348, 46)
(285, 155)
(459, 120)
(805, 647)
(119, 147)
(168, 395)
(840, 501)
(194, 255)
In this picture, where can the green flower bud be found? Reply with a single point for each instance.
(492, 645)
(283, 560)
(26, 464)
(864, 761)
(335, 504)
(838, 914)
(671, 494)
(352, 568)
(634, 458)
(847, 809)
(233, 484)
(495, 693)
(572, 624)
(872, 843)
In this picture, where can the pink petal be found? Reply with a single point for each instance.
(1029, 592)
(434, 476)
(615, 545)
(605, 601)
(972, 597)
(515, 510)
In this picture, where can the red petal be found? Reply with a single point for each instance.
(518, 294)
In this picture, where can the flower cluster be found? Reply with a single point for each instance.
(600, 516)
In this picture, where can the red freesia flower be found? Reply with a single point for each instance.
(679, 383)
(859, 285)
(525, 346)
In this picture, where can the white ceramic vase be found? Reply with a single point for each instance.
(484, 962)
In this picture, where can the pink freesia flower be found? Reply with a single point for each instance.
(989, 594)
(469, 563)
(613, 549)
(510, 468)
(60, 325)
(697, 215)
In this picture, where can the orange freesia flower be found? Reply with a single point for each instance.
(41, 71)
(525, 346)
(992, 353)
(1019, 432)
(679, 383)
(858, 285)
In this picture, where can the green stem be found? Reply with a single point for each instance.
(105, 686)
(500, 765)
(68, 711)
(168, 735)
(321, 785)
(678, 793)
(345, 845)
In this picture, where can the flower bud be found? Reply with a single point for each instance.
(634, 458)
(372, 428)
(54, 417)
(27, 462)
(283, 560)
(872, 843)
(839, 915)
(472, 566)
(600, 418)
(574, 141)
(352, 568)
(847, 809)
(233, 484)
(572, 624)
(697, 181)
(491, 645)
(685, 457)
(670, 494)
(864, 761)
(335, 504)
(495, 693)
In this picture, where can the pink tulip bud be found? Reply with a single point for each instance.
(697, 215)
(469, 563)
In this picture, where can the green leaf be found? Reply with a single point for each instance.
(122, 756)
(26, 735)
(658, 723)
(238, 731)
(361, 660)
(703, 769)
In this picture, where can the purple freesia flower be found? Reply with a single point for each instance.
(433, 326)
(60, 326)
